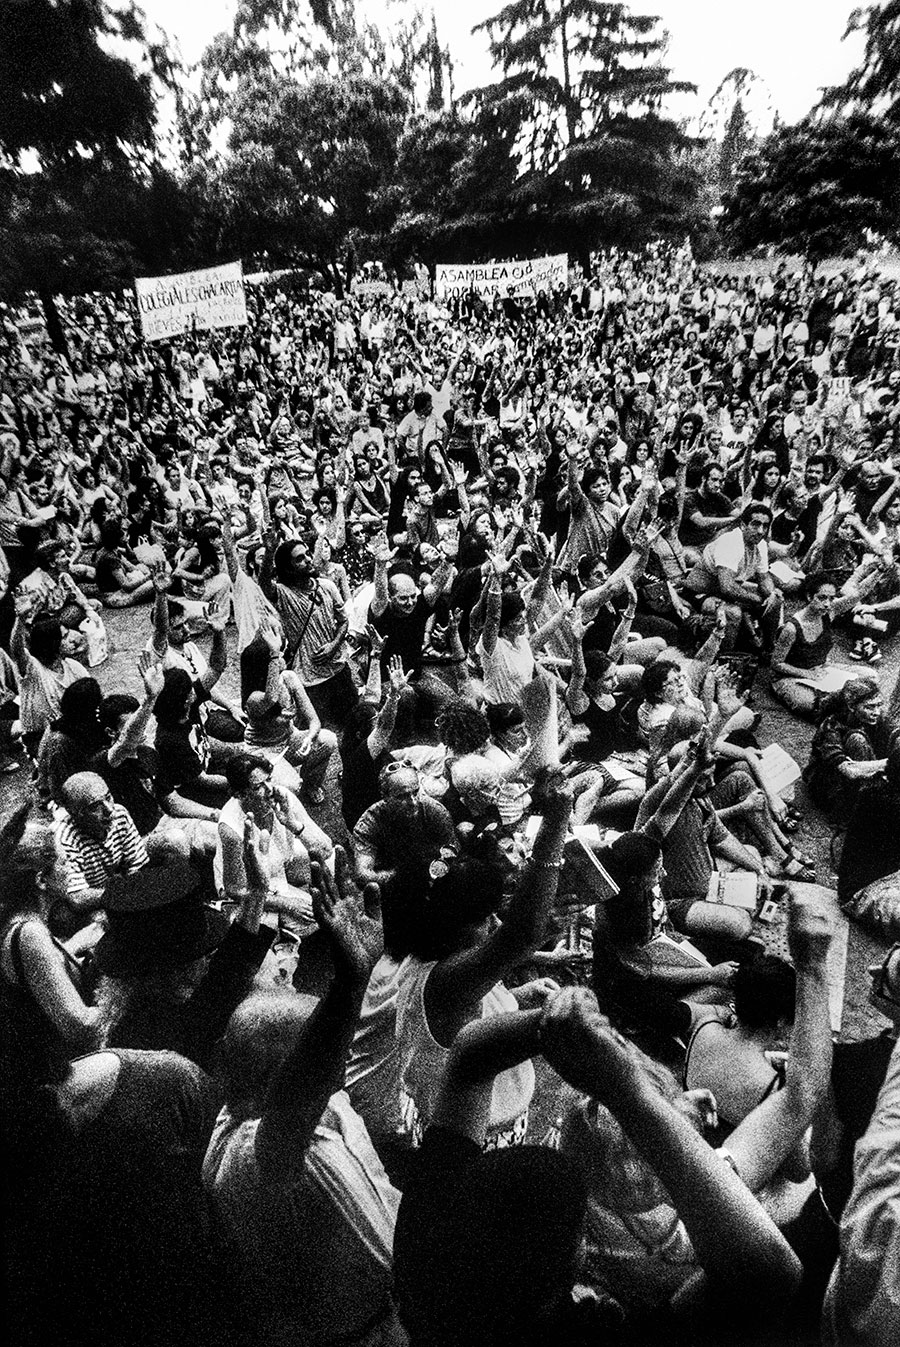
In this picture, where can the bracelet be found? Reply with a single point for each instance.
(546, 865)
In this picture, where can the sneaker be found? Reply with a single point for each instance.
(857, 651)
(316, 796)
(874, 656)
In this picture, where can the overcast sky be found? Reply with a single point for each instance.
(794, 45)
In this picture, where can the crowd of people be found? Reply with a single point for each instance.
(462, 622)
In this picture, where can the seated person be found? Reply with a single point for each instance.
(397, 838)
(293, 1176)
(871, 851)
(730, 1056)
(849, 747)
(121, 580)
(288, 843)
(640, 963)
(707, 511)
(97, 839)
(804, 643)
(734, 568)
(677, 812)
(283, 721)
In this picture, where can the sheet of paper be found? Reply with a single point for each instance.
(780, 771)
(833, 678)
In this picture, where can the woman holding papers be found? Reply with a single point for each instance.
(804, 643)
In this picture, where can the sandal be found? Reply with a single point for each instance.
(795, 869)
(797, 855)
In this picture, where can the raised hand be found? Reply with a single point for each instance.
(398, 678)
(269, 636)
(351, 920)
(376, 641)
(553, 792)
(582, 1046)
(255, 847)
(381, 549)
(810, 928)
(161, 576)
(151, 670)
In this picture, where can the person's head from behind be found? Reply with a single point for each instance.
(79, 707)
(115, 711)
(459, 907)
(497, 1265)
(634, 862)
(45, 641)
(765, 990)
(463, 728)
(260, 1034)
(477, 783)
(174, 703)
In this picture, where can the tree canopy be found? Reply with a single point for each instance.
(817, 187)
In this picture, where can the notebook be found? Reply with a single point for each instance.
(739, 888)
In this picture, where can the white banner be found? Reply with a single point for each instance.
(213, 297)
(504, 278)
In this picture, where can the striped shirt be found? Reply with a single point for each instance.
(90, 863)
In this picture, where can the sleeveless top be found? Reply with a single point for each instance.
(806, 654)
(422, 1059)
(776, 1083)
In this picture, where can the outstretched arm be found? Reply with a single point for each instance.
(738, 1246)
(314, 1069)
(766, 1137)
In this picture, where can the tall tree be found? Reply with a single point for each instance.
(874, 85)
(78, 171)
(573, 67)
(817, 187)
(579, 115)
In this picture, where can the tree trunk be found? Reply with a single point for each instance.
(54, 323)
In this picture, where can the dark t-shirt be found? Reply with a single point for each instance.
(132, 785)
(106, 564)
(183, 752)
(359, 782)
(715, 505)
(872, 845)
(405, 635)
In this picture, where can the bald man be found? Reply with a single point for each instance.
(97, 839)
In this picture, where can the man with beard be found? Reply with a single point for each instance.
(315, 625)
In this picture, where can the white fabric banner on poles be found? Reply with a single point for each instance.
(213, 297)
(504, 278)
